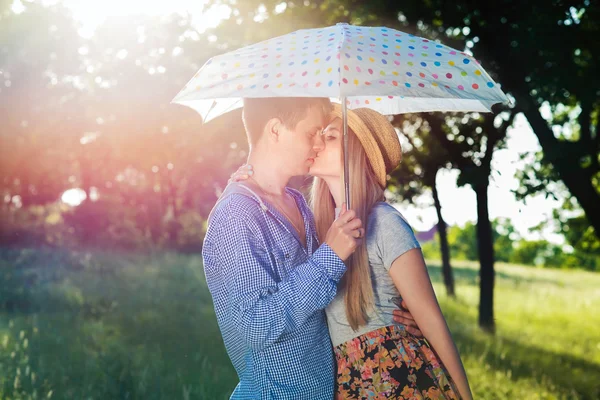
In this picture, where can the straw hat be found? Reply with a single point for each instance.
(377, 136)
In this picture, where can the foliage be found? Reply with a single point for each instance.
(509, 247)
(93, 113)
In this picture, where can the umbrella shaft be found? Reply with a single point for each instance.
(346, 155)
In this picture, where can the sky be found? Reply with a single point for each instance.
(458, 203)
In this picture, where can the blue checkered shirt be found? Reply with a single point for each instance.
(269, 294)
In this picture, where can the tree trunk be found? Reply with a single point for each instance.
(444, 248)
(485, 246)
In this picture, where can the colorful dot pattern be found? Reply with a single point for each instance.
(376, 67)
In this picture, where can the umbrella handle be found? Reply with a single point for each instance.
(346, 174)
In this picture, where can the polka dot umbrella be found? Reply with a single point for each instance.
(384, 69)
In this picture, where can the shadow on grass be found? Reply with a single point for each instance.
(574, 377)
(571, 376)
(561, 373)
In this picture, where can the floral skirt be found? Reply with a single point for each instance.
(390, 363)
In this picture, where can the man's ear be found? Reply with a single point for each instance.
(273, 129)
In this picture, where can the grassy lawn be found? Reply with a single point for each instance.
(547, 344)
(113, 326)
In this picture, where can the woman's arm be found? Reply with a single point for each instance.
(411, 278)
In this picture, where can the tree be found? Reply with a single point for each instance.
(504, 238)
(93, 113)
(470, 143)
(529, 252)
(32, 91)
(463, 241)
(418, 171)
(525, 44)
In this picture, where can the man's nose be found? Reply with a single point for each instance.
(318, 143)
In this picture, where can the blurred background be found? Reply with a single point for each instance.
(106, 187)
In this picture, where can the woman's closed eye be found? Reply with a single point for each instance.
(331, 134)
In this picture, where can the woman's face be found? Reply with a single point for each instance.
(328, 162)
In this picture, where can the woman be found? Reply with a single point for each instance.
(375, 357)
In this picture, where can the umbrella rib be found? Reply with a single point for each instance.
(212, 107)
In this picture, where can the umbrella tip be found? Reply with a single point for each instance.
(342, 23)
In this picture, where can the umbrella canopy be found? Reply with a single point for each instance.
(384, 69)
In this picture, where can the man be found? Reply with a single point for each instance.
(269, 278)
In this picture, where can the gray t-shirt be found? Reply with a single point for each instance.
(388, 237)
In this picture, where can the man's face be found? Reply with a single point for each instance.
(299, 147)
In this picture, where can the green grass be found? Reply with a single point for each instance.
(114, 326)
(547, 343)
(111, 327)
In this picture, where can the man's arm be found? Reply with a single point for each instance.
(261, 308)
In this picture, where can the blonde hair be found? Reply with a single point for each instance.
(365, 191)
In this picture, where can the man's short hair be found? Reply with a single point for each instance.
(289, 110)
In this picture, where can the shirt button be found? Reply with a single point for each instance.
(287, 256)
